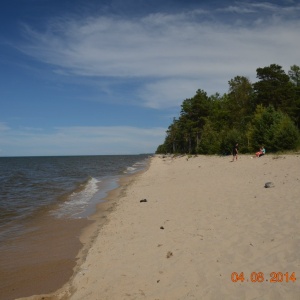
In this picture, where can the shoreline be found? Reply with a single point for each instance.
(32, 263)
(89, 232)
(205, 218)
(43, 258)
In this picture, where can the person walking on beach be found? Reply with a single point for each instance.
(235, 151)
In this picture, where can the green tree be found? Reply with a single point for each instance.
(194, 112)
(161, 149)
(249, 114)
(294, 74)
(172, 138)
(210, 140)
(274, 88)
(220, 115)
(229, 138)
(187, 128)
(273, 129)
(240, 100)
(286, 135)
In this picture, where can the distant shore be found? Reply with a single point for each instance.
(207, 228)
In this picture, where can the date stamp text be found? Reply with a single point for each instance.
(273, 277)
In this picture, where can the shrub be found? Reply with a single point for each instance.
(273, 129)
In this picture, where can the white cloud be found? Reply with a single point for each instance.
(80, 140)
(263, 7)
(237, 9)
(170, 52)
(169, 92)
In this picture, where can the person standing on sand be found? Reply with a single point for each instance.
(235, 152)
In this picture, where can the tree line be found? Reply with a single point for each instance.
(266, 112)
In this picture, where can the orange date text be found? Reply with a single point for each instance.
(261, 277)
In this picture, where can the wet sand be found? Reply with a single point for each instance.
(47, 252)
(32, 264)
(43, 256)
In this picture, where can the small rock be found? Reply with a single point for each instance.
(143, 200)
(162, 227)
(269, 185)
(169, 254)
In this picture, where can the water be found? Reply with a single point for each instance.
(38, 194)
(32, 184)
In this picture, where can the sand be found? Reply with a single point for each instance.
(205, 218)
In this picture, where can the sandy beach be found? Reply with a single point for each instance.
(207, 229)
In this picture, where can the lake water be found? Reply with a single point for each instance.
(44, 202)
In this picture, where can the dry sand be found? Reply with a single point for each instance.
(205, 218)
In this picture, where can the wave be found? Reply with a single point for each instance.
(78, 200)
(136, 166)
(130, 170)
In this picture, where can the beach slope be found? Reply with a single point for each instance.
(208, 228)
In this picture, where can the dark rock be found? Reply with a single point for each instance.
(269, 185)
(143, 200)
(169, 254)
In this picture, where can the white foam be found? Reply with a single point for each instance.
(78, 201)
(131, 169)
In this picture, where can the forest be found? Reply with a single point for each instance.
(265, 113)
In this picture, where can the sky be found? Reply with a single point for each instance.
(100, 77)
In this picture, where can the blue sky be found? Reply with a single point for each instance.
(93, 77)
